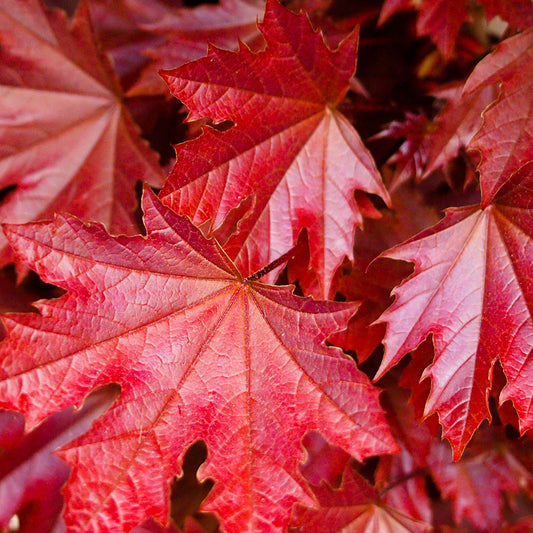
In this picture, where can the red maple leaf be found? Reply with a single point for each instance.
(354, 507)
(30, 475)
(506, 139)
(471, 289)
(200, 353)
(291, 161)
(372, 283)
(66, 143)
(491, 471)
(118, 26)
(453, 128)
(441, 20)
(430, 145)
(410, 158)
(186, 33)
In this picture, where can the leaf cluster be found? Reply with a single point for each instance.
(266, 266)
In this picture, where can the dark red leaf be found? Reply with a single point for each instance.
(30, 475)
(355, 507)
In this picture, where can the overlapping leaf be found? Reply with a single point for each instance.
(506, 140)
(441, 20)
(118, 26)
(372, 283)
(291, 161)
(199, 353)
(453, 128)
(472, 290)
(409, 496)
(355, 507)
(66, 142)
(186, 33)
(487, 477)
(430, 145)
(30, 475)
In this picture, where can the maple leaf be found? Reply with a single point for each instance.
(30, 475)
(441, 20)
(291, 161)
(453, 128)
(325, 462)
(66, 142)
(118, 26)
(355, 508)
(506, 139)
(186, 32)
(476, 484)
(410, 158)
(413, 378)
(409, 495)
(200, 353)
(430, 145)
(471, 289)
(400, 476)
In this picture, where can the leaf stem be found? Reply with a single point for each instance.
(402, 479)
(274, 264)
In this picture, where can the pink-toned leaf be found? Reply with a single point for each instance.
(506, 139)
(187, 32)
(471, 289)
(66, 141)
(199, 353)
(291, 157)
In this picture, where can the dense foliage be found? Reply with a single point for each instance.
(316, 315)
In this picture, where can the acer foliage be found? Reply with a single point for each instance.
(172, 353)
(202, 362)
(31, 475)
(355, 505)
(441, 20)
(57, 91)
(319, 158)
